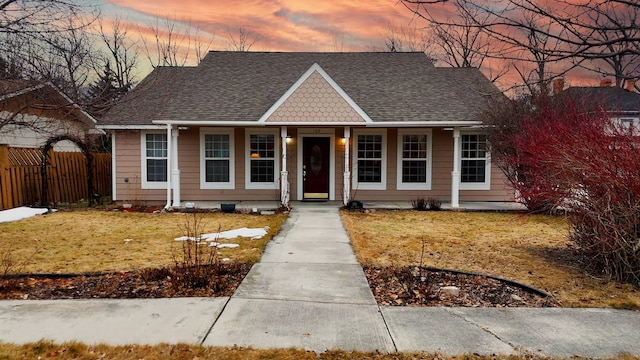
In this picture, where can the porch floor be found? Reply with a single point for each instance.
(252, 205)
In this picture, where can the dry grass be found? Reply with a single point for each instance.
(532, 249)
(94, 240)
(48, 350)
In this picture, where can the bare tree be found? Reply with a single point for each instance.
(43, 43)
(531, 60)
(564, 32)
(121, 52)
(459, 39)
(241, 39)
(622, 61)
(36, 17)
(175, 43)
(407, 38)
(71, 55)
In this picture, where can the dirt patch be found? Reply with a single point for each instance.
(412, 286)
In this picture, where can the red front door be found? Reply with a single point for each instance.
(315, 167)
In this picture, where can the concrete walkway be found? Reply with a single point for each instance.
(309, 292)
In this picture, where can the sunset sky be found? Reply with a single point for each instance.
(282, 25)
(289, 25)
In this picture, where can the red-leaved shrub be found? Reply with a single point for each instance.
(581, 161)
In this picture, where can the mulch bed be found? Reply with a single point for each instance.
(412, 286)
(391, 286)
(150, 283)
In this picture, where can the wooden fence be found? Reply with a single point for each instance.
(21, 177)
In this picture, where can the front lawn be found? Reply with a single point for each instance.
(98, 240)
(532, 249)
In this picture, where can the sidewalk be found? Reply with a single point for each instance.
(309, 292)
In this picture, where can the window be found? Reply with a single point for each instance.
(154, 162)
(475, 167)
(414, 160)
(371, 162)
(217, 159)
(629, 126)
(262, 160)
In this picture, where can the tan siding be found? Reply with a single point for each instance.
(189, 163)
(442, 165)
(315, 101)
(190, 172)
(128, 165)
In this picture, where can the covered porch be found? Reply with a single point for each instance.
(388, 165)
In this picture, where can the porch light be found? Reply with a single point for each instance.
(255, 155)
(343, 140)
(289, 139)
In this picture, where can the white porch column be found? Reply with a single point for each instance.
(176, 170)
(346, 193)
(455, 174)
(169, 154)
(284, 175)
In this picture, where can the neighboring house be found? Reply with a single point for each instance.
(305, 126)
(622, 105)
(31, 113)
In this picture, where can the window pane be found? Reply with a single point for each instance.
(156, 169)
(216, 145)
(473, 171)
(263, 145)
(414, 171)
(262, 171)
(369, 171)
(414, 146)
(156, 145)
(217, 170)
(474, 146)
(370, 146)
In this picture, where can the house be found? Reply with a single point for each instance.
(31, 113)
(622, 104)
(305, 126)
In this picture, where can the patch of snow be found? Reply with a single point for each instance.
(226, 259)
(187, 238)
(20, 213)
(253, 233)
(128, 240)
(230, 246)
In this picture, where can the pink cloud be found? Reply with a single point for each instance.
(285, 25)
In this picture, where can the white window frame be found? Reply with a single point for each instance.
(143, 160)
(407, 185)
(634, 125)
(486, 185)
(204, 184)
(276, 160)
(354, 160)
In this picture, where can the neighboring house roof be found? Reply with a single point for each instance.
(10, 87)
(612, 99)
(244, 86)
(48, 97)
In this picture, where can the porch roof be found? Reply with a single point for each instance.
(228, 88)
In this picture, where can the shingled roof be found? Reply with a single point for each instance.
(613, 99)
(243, 86)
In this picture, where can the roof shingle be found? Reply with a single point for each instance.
(242, 86)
